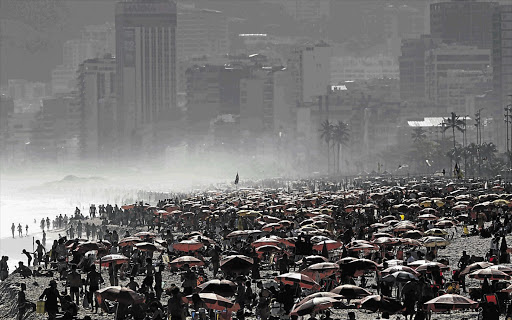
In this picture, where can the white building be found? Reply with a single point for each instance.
(363, 68)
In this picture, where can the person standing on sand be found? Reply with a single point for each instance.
(23, 303)
(39, 251)
(4, 268)
(26, 230)
(20, 230)
(93, 280)
(13, 228)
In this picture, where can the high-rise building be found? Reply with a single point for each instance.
(412, 66)
(310, 66)
(96, 82)
(502, 55)
(464, 22)
(63, 79)
(453, 71)
(102, 36)
(146, 67)
(201, 32)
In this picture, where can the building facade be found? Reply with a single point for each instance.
(464, 22)
(146, 68)
(502, 55)
(310, 67)
(96, 82)
(451, 71)
(412, 67)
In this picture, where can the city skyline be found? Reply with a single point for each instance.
(217, 77)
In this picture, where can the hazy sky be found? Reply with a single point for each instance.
(31, 43)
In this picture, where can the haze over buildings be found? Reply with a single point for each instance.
(254, 81)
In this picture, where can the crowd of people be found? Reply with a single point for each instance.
(271, 248)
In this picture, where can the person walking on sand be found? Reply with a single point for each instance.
(51, 294)
(20, 230)
(13, 228)
(26, 230)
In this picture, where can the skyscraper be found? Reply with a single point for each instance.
(465, 22)
(96, 84)
(146, 67)
(502, 55)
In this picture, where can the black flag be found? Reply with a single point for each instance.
(237, 178)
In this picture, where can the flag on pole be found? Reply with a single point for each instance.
(237, 178)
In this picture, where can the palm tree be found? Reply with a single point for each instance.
(418, 135)
(326, 133)
(340, 136)
(454, 123)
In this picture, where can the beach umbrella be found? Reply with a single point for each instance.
(491, 274)
(410, 242)
(350, 291)
(394, 269)
(162, 213)
(346, 260)
(359, 246)
(404, 226)
(237, 233)
(214, 301)
(319, 238)
(236, 263)
(444, 224)
(122, 295)
(330, 244)
(129, 241)
(144, 234)
(450, 302)
(417, 263)
(146, 246)
(427, 216)
(436, 232)
(189, 260)
(381, 235)
(113, 258)
(89, 245)
(385, 241)
(475, 266)
(412, 234)
(314, 305)
(271, 226)
(430, 242)
(205, 240)
(400, 276)
(501, 202)
(502, 268)
(431, 266)
(362, 264)
(388, 218)
(268, 248)
(378, 225)
(224, 288)
(302, 280)
(319, 295)
(380, 303)
(309, 260)
(265, 242)
(324, 269)
(188, 245)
